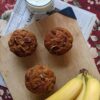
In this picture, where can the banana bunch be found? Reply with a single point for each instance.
(90, 90)
(82, 87)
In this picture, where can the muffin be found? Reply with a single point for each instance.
(22, 43)
(40, 79)
(58, 41)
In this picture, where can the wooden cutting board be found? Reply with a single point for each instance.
(65, 67)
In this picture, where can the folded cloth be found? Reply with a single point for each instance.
(94, 40)
(68, 12)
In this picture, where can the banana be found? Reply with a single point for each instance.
(70, 90)
(81, 95)
(92, 89)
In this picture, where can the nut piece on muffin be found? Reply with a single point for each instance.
(58, 41)
(40, 79)
(22, 43)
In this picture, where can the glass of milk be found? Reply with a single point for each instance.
(40, 6)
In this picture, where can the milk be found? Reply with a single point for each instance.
(40, 7)
(38, 2)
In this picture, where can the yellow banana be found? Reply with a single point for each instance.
(70, 90)
(92, 89)
(81, 95)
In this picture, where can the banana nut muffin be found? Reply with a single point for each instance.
(40, 79)
(22, 43)
(58, 41)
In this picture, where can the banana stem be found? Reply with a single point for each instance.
(84, 72)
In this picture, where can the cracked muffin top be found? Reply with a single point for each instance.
(58, 41)
(40, 79)
(22, 43)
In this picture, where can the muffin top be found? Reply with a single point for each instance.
(22, 43)
(40, 79)
(58, 41)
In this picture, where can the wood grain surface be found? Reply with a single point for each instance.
(65, 67)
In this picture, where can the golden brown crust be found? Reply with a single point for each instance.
(22, 43)
(58, 41)
(40, 79)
